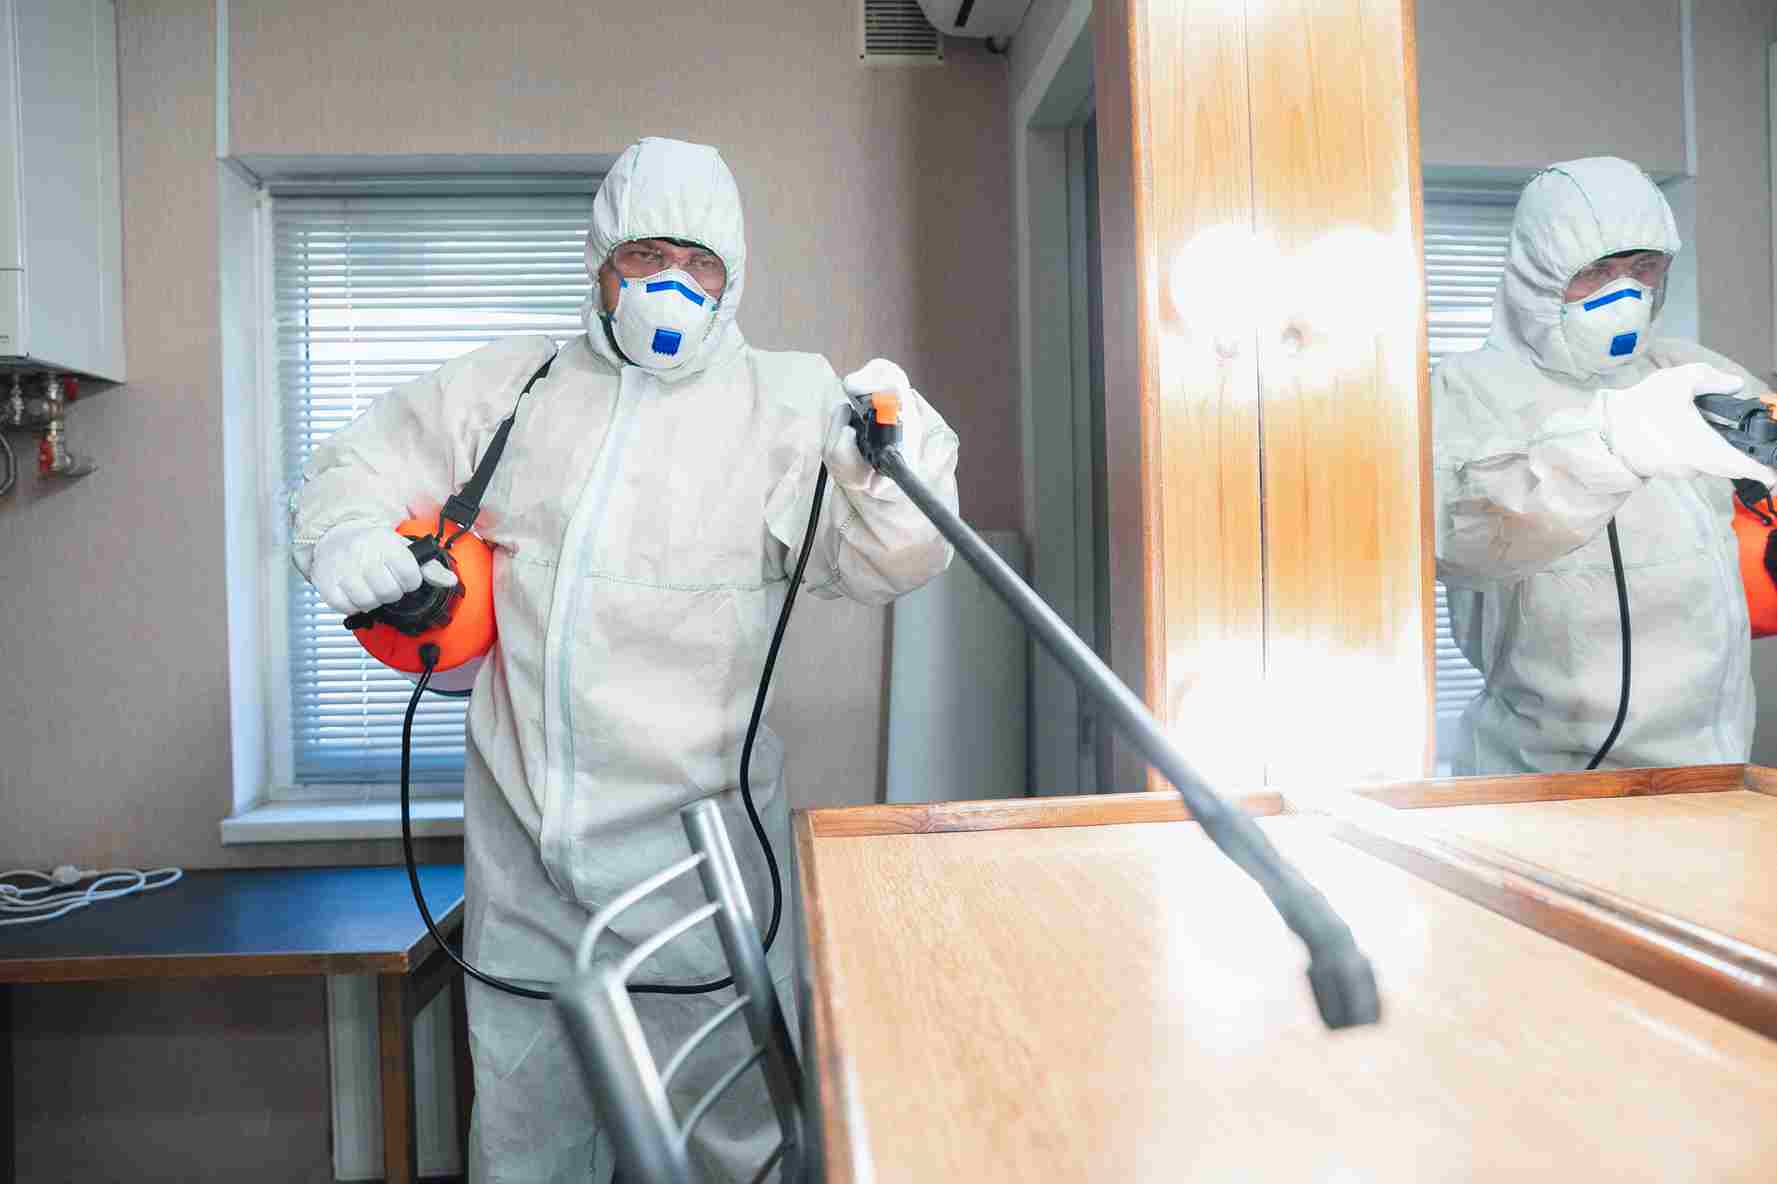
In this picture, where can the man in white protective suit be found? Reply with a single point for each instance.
(645, 517)
(1574, 415)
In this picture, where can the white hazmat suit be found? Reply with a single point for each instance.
(1544, 436)
(645, 525)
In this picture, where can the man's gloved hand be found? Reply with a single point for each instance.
(1654, 427)
(359, 568)
(845, 463)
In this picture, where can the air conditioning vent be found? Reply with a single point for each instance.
(896, 33)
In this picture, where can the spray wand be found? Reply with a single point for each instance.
(1343, 981)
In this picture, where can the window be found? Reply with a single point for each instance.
(367, 292)
(1465, 248)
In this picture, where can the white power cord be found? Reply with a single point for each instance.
(59, 894)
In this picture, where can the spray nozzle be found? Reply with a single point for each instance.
(877, 421)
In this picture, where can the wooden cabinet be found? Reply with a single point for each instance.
(1082, 989)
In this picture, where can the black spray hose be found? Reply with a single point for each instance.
(429, 655)
(1616, 561)
(1343, 981)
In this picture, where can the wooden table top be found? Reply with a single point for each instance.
(1706, 857)
(243, 922)
(1119, 1003)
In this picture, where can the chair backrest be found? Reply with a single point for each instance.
(652, 1142)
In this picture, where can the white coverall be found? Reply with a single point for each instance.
(645, 527)
(1526, 485)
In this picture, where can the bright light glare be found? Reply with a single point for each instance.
(1218, 284)
(1323, 718)
(1342, 292)
(1324, 304)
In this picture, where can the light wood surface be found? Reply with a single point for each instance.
(835, 1120)
(1707, 857)
(1165, 806)
(1715, 970)
(1181, 394)
(1119, 1003)
(1428, 560)
(1052, 1005)
(1541, 787)
(1016, 813)
(1348, 594)
(1760, 779)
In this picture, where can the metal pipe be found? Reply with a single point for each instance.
(54, 457)
(1341, 976)
(47, 414)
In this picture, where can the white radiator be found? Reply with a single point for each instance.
(958, 676)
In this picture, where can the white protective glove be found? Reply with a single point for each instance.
(359, 567)
(845, 463)
(1654, 427)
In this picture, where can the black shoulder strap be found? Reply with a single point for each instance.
(465, 503)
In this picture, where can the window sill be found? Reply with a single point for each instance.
(313, 822)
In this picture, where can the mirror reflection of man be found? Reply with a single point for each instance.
(1574, 415)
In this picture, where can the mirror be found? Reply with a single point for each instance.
(1505, 89)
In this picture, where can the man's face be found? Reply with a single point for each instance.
(1647, 267)
(643, 257)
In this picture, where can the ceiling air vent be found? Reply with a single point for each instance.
(896, 33)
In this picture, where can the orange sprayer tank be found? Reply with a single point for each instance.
(1754, 535)
(469, 632)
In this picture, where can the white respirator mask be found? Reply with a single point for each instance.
(1608, 329)
(661, 320)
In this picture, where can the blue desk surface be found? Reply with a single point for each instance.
(243, 922)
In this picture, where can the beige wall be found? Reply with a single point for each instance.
(113, 704)
(1520, 83)
(878, 204)
(1733, 241)
(876, 198)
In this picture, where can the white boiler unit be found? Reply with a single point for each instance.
(61, 293)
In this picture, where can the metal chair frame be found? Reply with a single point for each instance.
(653, 1146)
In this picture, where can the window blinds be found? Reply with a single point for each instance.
(369, 292)
(1465, 247)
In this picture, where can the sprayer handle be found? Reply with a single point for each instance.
(877, 421)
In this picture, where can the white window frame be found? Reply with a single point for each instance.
(269, 804)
